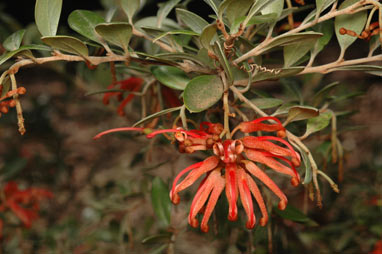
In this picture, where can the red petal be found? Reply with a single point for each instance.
(231, 190)
(246, 198)
(219, 184)
(208, 164)
(257, 172)
(174, 197)
(117, 130)
(258, 156)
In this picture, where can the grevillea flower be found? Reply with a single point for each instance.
(132, 84)
(233, 167)
(25, 204)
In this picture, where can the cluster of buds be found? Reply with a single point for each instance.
(25, 204)
(231, 167)
(6, 102)
(371, 30)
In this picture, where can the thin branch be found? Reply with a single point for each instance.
(349, 10)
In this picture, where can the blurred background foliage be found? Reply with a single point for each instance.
(111, 195)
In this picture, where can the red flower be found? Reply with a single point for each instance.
(132, 84)
(23, 203)
(232, 167)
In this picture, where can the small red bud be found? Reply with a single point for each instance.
(294, 181)
(282, 205)
(342, 31)
(263, 222)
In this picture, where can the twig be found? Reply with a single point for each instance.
(258, 49)
(19, 110)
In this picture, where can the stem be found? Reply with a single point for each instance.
(226, 106)
(183, 117)
(19, 110)
(248, 102)
(330, 181)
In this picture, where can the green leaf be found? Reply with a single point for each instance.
(164, 10)
(371, 69)
(213, 5)
(157, 114)
(320, 95)
(84, 22)
(355, 22)
(293, 214)
(180, 57)
(67, 43)
(6, 56)
(318, 123)
(285, 72)
(158, 238)
(288, 39)
(47, 14)
(308, 167)
(167, 24)
(12, 168)
(117, 33)
(219, 52)
(326, 28)
(171, 77)
(265, 103)
(161, 201)
(13, 41)
(202, 92)
(105, 91)
(234, 9)
(321, 5)
(297, 113)
(130, 7)
(256, 7)
(208, 36)
(274, 7)
(294, 52)
(175, 32)
(191, 20)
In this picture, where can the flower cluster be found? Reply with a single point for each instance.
(232, 167)
(25, 204)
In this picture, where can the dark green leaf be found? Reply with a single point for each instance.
(47, 14)
(117, 33)
(67, 43)
(161, 201)
(274, 7)
(294, 52)
(256, 7)
(318, 123)
(326, 28)
(180, 57)
(371, 69)
(213, 4)
(297, 113)
(265, 103)
(234, 9)
(193, 21)
(157, 114)
(202, 92)
(159, 238)
(105, 91)
(285, 72)
(130, 7)
(320, 95)
(13, 41)
(175, 32)
(219, 52)
(293, 214)
(321, 5)
(308, 167)
(355, 22)
(170, 76)
(164, 10)
(208, 36)
(12, 168)
(6, 56)
(84, 22)
(288, 39)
